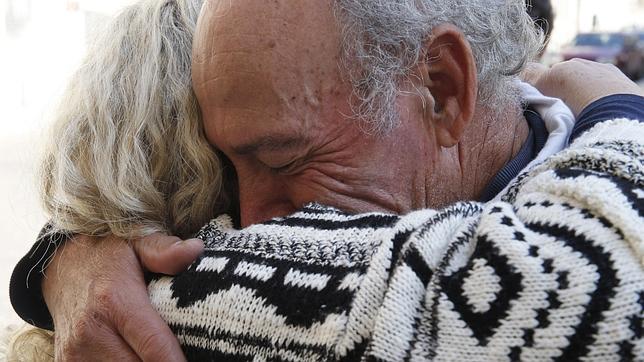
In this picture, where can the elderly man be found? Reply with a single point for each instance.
(277, 115)
(423, 111)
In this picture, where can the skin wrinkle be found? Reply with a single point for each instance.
(461, 163)
(520, 134)
(481, 148)
(345, 190)
(351, 198)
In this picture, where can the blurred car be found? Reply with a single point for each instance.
(619, 49)
(640, 45)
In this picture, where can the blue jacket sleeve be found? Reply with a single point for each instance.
(629, 106)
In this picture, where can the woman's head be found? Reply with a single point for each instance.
(128, 155)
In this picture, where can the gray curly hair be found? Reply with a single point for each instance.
(383, 40)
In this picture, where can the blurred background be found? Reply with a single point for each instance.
(43, 41)
(600, 30)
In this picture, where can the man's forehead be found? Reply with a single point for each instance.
(264, 18)
(259, 68)
(280, 30)
(270, 41)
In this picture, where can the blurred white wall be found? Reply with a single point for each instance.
(107, 7)
(3, 27)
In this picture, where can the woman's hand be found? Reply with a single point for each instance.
(96, 293)
(579, 82)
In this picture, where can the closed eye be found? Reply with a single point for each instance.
(286, 169)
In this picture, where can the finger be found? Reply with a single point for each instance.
(164, 254)
(118, 350)
(103, 345)
(145, 332)
(115, 351)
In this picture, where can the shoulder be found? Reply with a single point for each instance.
(600, 175)
(561, 259)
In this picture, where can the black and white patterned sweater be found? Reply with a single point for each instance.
(553, 272)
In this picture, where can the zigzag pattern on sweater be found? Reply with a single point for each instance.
(552, 273)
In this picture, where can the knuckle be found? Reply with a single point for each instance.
(160, 257)
(104, 299)
(151, 345)
(85, 327)
(154, 263)
(76, 344)
(104, 294)
(69, 352)
(562, 66)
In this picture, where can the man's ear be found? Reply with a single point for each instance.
(449, 84)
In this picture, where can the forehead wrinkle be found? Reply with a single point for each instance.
(267, 21)
(239, 21)
(213, 34)
(246, 60)
(240, 90)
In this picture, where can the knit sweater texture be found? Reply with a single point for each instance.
(550, 271)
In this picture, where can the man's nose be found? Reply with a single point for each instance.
(263, 200)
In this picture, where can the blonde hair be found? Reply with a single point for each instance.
(128, 154)
(26, 343)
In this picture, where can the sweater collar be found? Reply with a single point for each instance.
(537, 136)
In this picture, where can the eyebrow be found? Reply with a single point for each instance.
(269, 143)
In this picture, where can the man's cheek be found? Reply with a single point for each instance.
(322, 185)
(320, 180)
